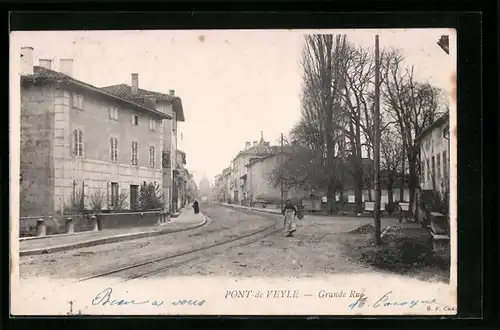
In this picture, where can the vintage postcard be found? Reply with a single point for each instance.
(237, 172)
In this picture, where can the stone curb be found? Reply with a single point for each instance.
(276, 212)
(107, 240)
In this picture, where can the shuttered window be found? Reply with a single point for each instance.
(78, 142)
(135, 153)
(113, 149)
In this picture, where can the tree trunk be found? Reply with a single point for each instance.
(370, 180)
(358, 190)
(402, 189)
(341, 199)
(330, 197)
(390, 195)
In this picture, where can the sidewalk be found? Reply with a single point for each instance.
(326, 224)
(187, 220)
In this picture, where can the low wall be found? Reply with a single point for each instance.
(83, 222)
(127, 220)
(54, 225)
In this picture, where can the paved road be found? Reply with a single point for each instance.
(85, 262)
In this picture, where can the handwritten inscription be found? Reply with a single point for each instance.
(105, 298)
(387, 301)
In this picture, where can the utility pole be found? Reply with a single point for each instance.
(376, 148)
(281, 174)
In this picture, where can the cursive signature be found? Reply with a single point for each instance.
(104, 298)
(387, 301)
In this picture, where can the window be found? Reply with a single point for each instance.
(445, 164)
(114, 149)
(438, 164)
(114, 194)
(135, 152)
(135, 120)
(428, 170)
(433, 168)
(152, 156)
(422, 169)
(113, 113)
(152, 124)
(77, 101)
(78, 142)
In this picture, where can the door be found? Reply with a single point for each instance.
(114, 195)
(133, 196)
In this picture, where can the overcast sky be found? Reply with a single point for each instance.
(234, 84)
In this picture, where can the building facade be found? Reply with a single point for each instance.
(239, 185)
(170, 105)
(434, 147)
(82, 144)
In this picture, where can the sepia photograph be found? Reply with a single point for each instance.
(233, 172)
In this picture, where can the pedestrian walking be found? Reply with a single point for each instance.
(196, 207)
(290, 213)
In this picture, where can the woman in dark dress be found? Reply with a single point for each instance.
(290, 213)
(196, 207)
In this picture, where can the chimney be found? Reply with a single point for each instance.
(26, 60)
(45, 63)
(66, 66)
(135, 83)
(255, 143)
(247, 144)
(150, 101)
(172, 92)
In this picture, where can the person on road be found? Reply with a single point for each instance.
(290, 213)
(196, 207)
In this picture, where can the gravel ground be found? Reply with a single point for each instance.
(315, 250)
(86, 262)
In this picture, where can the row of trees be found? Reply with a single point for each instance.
(337, 127)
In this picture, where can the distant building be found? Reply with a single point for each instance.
(179, 188)
(259, 187)
(239, 183)
(80, 141)
(205, 189)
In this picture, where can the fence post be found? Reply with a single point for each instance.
(69, 226)
(160, 218)
(41, 229)
(95, 226)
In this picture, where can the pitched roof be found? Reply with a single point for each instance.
(273, 151)
(125, 91)
(44, 75)
(441, 120)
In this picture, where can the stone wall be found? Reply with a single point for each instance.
(36, 165)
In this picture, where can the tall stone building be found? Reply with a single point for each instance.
(79, 141)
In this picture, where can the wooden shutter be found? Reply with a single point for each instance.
(116, 149)
(111, 145)
(107, 195)
(75, 142)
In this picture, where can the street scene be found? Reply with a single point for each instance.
(188, 154)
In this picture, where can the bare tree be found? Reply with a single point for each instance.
(391, 148)
(322, 60)
(359, 101)
(320, 128)
(412, 105)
